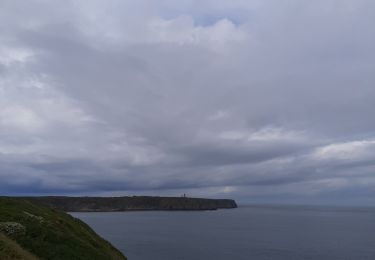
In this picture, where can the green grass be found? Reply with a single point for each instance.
(49, 234)
(9, 249)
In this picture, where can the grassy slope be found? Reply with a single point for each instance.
(9, 249)
(50, 234)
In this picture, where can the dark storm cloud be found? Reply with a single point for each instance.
(257, 100)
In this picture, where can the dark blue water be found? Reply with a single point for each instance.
(262, 233)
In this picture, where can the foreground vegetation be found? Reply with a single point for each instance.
(30, 231)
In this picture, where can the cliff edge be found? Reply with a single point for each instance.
(31, 231)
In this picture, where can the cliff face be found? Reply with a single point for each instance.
(31, 231)
(88, 204)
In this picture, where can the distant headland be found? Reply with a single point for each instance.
(130, 203)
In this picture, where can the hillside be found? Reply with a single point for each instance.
(29, 231)
(76, 204)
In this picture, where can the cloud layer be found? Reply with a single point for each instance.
(262, 101)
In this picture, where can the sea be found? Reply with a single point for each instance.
(246, 233)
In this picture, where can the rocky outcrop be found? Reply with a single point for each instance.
(92, 204)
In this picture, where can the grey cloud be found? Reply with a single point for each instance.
(219, 98)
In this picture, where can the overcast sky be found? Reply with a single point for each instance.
(261, 101)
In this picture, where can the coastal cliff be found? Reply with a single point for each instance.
(93, 204)
(30, 231)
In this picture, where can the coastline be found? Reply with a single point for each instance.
(133, 203)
